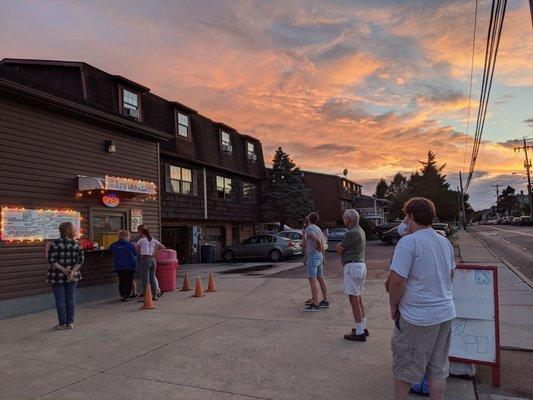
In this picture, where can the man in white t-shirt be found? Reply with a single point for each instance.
(420, 295)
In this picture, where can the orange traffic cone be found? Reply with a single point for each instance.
(186, 285)
(211, 284)
(148, 302)
(198, 292)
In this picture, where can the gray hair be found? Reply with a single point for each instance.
(352, 215)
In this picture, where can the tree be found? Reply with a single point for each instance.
(285, 197)
(507, 201)
(429, 182)
(398, 194)
(381, 189)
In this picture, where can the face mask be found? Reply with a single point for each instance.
(402, 229)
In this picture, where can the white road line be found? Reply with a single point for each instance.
(508, 231)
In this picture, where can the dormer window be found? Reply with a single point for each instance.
(130, 104)
(250, 152)
(182, 121)
(225, 142)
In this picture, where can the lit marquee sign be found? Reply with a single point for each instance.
(20, 224)
(129, 185)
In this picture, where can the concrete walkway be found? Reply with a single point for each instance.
(249, 340)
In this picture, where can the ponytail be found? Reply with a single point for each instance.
(146, 233)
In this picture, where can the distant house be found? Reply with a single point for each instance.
(522, 199)
(332, 195)
(373, 208)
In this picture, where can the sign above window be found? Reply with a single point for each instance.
(129, 185)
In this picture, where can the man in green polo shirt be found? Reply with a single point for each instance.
(352, 252)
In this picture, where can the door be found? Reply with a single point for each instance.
(178, 238)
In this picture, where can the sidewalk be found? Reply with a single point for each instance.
(516, 325)
(249, 340)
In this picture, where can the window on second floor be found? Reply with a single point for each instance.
(183, 125)
(180, 180)
(248, 192)
(130, 103)
(250, 152)
(225, 142)
(224, 187)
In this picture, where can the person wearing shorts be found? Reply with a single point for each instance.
(352, 252)
(314, 261)
(421, 303)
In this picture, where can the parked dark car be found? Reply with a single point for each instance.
(380, 230)
(271, 247)
(393, 237)
(524, 221)
(441, 226)
(516, 221)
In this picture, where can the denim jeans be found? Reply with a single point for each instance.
(65, 295)
(147, 269)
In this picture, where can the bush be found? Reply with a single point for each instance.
(368, 226)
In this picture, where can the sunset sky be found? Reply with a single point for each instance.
(370, 86)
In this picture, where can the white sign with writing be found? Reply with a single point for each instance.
(474, 329)
(22, 224)
(136, 219)
(129, 185)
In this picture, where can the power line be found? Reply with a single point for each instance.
(491, 51)
(471, 79)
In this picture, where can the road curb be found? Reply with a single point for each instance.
(515, 270)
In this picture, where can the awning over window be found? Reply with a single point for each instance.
(119, 184)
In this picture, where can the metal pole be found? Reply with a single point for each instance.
(528, 165)
(462, 201)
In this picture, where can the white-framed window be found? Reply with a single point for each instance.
(251, 155)
(224, 187)
(180, 180)
(130, 103)
(248, 192)
(182, 121)
(225, 142)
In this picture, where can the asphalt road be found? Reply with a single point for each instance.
(513, 244)
(378, 257)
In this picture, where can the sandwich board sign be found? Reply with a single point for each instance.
(475, 330)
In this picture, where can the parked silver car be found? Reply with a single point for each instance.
(337, 234)
(295, 235)
(273, 247)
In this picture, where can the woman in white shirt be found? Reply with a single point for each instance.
(146, 247)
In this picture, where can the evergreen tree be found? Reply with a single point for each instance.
(285, 197)
(381, 189)
(507, 201)
(432, 184)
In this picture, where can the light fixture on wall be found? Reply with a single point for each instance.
(110, 146)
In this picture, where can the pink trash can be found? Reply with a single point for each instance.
(167, 265)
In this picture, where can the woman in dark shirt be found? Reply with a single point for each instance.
(65, 257)
(125, 264)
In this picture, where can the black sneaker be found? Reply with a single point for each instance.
(415, 393)
(366, 332)
(312, 308)
(324, 304)
(124, 299)
(354, 337)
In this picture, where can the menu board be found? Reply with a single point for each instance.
(136, 219)
(474, 329)
(23, 224)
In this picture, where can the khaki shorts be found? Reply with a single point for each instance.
(354, 278)
(416, 349)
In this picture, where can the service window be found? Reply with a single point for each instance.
(105, 227)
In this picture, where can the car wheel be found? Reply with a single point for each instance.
(275, 255)
(229, 255)
(394, 240)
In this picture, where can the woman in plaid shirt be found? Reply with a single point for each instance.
(65, 257)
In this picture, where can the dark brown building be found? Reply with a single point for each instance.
(212, 178)
(76, 144)
(332, 195)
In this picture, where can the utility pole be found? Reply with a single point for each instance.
(463, 219)
(497, 198)
(527, 164)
